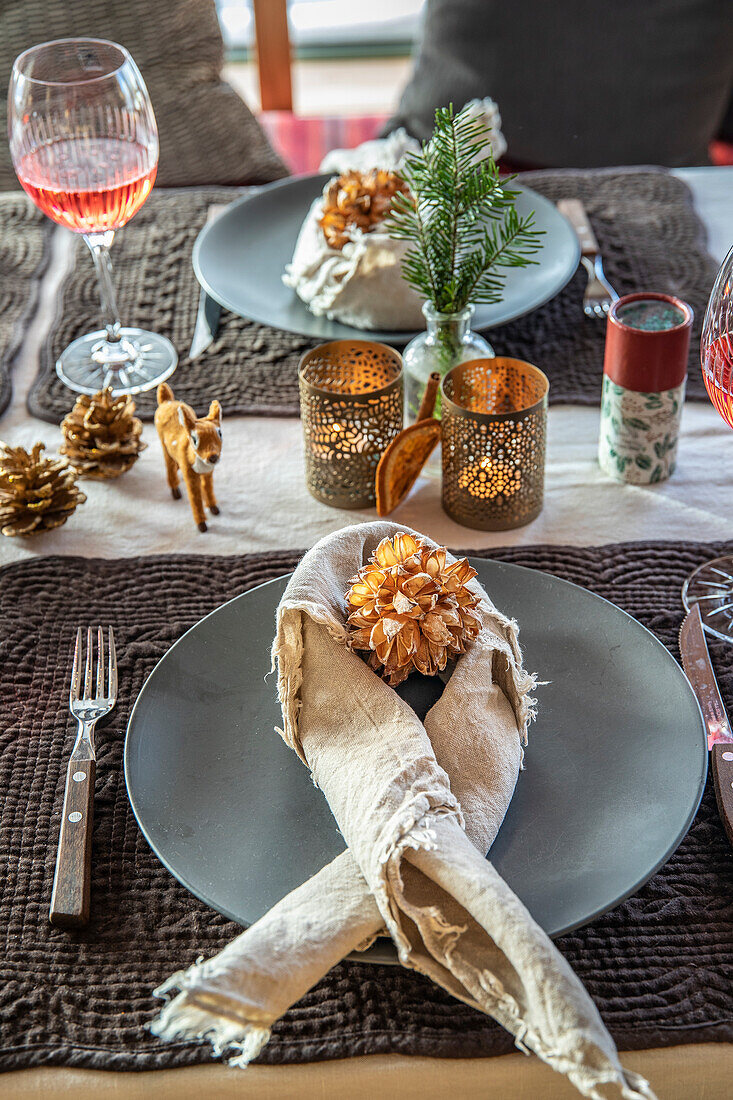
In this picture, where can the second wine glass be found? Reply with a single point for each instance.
(84, 144)
(711, 586)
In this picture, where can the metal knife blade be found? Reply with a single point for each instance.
(209, 311)
(699, 671)
(207, 325)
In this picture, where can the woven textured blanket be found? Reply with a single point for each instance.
(659, 966)
(649, 234)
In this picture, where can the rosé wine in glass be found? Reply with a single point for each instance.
(717, 373)
(711, 585)
(84, 144)
(88, 186)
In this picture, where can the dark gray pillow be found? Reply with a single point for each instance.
(580, 83)
(207, 133)
(725, 130)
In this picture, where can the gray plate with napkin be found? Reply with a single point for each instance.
(615, 766)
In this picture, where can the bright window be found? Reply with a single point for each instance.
(382, 25)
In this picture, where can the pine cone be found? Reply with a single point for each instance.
(101, 435)
(410, 609)
(361, 199)
(36, 493)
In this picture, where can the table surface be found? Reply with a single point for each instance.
(265, 505)
(261, 485)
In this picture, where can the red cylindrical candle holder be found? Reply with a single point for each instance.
(647, 360)
(644, 373)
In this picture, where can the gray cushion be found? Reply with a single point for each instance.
(580, 83)
(207, 133)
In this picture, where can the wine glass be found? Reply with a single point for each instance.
(711, 586)
(84, 145)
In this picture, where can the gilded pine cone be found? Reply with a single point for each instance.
(36, 493)
(409, 609)
(360, 199)
(101, 435)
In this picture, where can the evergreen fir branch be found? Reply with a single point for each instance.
(459, 217)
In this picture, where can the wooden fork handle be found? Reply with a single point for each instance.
(574, 211)
(70, 897)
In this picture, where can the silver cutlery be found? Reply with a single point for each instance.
(599, 294)
(209, 311)
(89, 700)
(699, 671)
(207, 325)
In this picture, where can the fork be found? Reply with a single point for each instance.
(70, 897)
(599, 294)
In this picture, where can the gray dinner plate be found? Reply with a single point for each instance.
(615, 766)
(239, 259)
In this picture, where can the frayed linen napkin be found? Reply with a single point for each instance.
(361, 284)
(419, 805)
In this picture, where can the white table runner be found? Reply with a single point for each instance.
(261, 482)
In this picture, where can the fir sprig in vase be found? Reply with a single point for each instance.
(463, 230)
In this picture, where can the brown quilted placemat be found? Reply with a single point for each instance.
(650, 239)
(649, 234)
(250, 368)
(25, 249)
(660, 966)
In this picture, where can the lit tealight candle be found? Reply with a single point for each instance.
(490, 478)
(339, 437)
(493, 431)
(351, 399)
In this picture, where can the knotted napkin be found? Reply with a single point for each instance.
(361, 284)
(419, 805)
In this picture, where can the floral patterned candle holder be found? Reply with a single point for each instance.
(494, 432)
(644, 374)
(351, 401)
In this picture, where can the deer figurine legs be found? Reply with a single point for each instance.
(207, 486)
(192, 481)
(171, 472)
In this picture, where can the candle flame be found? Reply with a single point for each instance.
(490, 478)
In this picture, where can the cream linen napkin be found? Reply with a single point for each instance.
(410, 866)
(360, 284)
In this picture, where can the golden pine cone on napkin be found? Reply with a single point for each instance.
(357, 198)
(410, 609)
(36, 493)
(101, 435)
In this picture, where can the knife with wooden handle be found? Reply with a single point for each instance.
(574, 211)
(209, 311)
(699, 671)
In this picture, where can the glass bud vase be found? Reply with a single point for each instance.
(447, 341)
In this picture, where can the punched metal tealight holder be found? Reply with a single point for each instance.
(494, 440)
(351, 407)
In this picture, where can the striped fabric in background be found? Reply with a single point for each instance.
(304, 142)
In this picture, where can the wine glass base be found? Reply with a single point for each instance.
(139, 361)
(711, 587)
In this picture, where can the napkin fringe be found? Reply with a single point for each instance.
(585, 1079)
(238, 1043)
(517, 684)
(233, 1040)
(410, 827)
(632, 1085)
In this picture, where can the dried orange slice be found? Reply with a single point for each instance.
(403, 460)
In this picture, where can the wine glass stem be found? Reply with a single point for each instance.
(99, 246)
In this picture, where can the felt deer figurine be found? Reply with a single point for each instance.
(191, 446)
